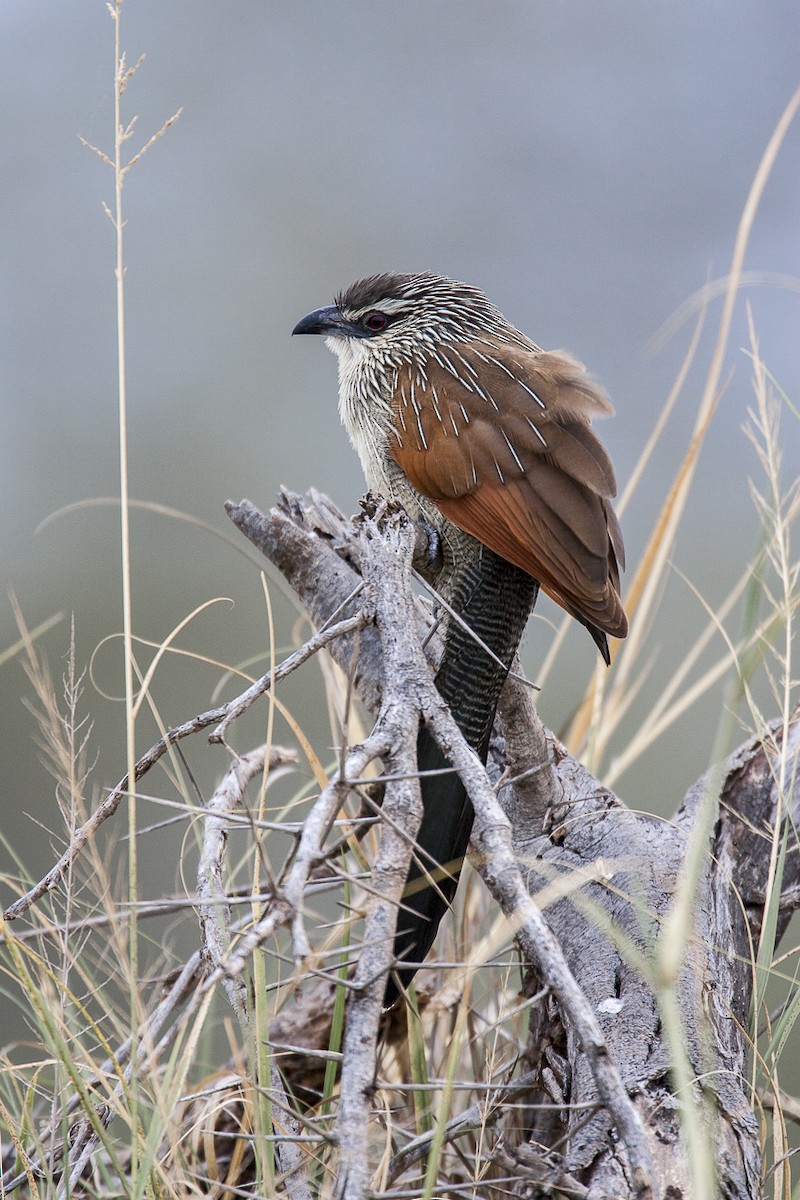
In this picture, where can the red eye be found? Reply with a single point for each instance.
(375, 321)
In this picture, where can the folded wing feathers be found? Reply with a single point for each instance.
(512, 460)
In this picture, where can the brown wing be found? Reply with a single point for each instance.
(498, 436)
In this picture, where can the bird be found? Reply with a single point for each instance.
(485, 439)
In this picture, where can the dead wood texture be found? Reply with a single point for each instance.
(610, 875)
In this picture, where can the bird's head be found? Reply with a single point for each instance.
(394, 317)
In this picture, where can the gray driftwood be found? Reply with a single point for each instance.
(618, 871)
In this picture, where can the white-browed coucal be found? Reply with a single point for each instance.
(485, 437)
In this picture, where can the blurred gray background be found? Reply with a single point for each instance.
(585, 163)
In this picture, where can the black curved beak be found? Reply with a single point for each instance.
(326, 320)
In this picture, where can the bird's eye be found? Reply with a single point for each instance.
(375, 321)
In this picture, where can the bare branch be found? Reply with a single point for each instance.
(219, 716)
(609, 876)
(212, 898)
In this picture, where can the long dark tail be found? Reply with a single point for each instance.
(494, 599)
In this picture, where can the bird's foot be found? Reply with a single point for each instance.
(428, 557)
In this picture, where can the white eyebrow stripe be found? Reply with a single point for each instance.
(385, 305)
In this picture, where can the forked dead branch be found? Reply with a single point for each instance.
(608, 877)
(586, 885)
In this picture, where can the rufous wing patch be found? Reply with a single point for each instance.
(497, 435)
(532, 537)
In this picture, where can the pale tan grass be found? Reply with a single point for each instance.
(649, 577)
(86, 997)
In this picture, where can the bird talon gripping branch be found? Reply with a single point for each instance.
(484, 437)
(428, 557)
